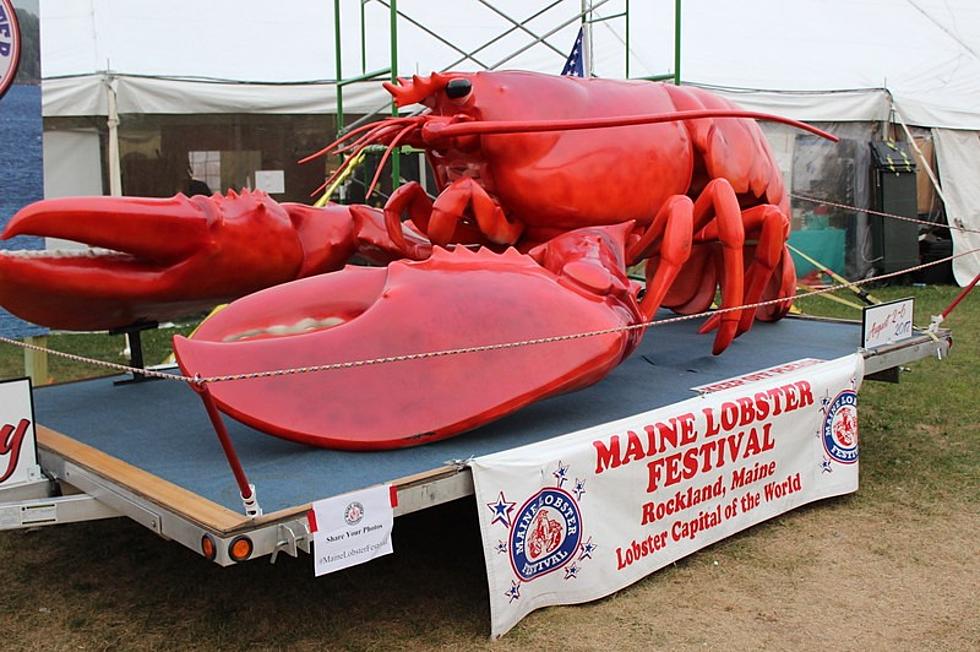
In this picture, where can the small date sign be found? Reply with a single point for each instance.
(887, 323)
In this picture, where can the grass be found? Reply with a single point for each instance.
(98, 346)
(892, 566)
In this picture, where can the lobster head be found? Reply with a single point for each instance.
(449, 93)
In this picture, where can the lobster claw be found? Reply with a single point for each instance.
(160, 259)
(454, 300)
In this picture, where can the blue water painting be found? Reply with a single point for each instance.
(21, 177)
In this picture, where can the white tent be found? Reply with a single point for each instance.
(917, 61)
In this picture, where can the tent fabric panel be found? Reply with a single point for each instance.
(865, 105)
(74, 97)
(958, 157)
(86, 96)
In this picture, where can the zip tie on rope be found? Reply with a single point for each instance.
(198, 381)
(951, 227)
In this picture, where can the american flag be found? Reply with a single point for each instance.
(575, 66)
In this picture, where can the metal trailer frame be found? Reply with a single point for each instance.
(83, 484)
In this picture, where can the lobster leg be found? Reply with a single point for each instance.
(717, 207)
(672, 230)
(449, 207)
(772, 227)
(411, 198)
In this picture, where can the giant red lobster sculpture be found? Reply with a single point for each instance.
(563, 182)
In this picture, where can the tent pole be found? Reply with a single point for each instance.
(677, 42)
(627, 39)
(115, 172)
(587, 38)
(363, 41)
(339, 67)
(396, 159)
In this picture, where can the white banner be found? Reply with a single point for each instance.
(578, 517)
(18, 448)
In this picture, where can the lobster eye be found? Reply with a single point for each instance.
(457, 88)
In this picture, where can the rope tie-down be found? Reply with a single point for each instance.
(247, 491)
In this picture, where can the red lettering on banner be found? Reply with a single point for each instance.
(676, 467)
(806, 393)
(731, 431)
(606, 457)
(10, 442)
(637, 550)
(660, 437)
(712, 428)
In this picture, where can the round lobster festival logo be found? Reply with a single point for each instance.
(9, 45)
(840, 428)
(353, 513)
(546, 533)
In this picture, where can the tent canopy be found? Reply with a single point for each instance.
(923, 53)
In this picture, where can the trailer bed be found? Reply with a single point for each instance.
(147, 450)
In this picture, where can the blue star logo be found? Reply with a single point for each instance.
(587, 549)
(561, 474)
(579, 489)
(501, 546)
(571, 572)
(825, 466)
(514, 592)
(501, 510)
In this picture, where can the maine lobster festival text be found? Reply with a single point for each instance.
(723, 452)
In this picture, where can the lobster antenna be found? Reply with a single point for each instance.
(384, 159)
(487, 127)
(350, 134)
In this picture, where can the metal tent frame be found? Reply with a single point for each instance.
(586, 15)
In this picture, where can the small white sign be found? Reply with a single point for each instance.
(351, 529)
(271, 181)
(18, 447)
(755, 376)
(887, 323)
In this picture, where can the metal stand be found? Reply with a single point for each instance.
(132, 334)
(246, 490)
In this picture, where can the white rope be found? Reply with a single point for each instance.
(198, 380)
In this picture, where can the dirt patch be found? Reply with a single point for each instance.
(848, 574)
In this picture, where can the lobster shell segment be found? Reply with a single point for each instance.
(452, 300)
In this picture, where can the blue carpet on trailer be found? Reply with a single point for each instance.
(161, 426)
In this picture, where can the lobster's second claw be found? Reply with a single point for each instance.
(461, 299)
(160, 259)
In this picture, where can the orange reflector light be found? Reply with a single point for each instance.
(208, 547)
(240, 548)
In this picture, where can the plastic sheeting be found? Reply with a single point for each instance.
(818, 168)
(958, 156)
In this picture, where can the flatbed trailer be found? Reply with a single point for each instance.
(147, 451)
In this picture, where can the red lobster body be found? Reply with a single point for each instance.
(564, 180)
(582, 177)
